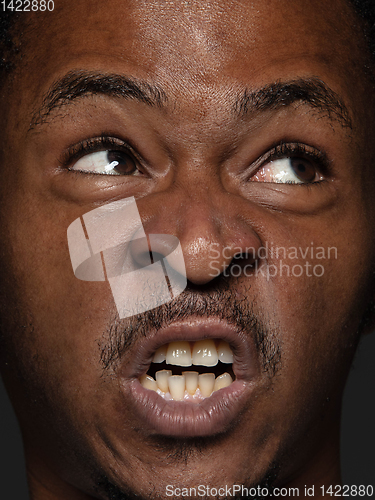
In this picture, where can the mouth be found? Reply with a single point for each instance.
(191, 379)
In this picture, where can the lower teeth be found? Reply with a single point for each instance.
(188, 386)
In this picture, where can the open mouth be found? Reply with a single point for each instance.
(191, 387)
(190, 371)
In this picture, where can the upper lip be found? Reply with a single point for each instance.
(245, 365)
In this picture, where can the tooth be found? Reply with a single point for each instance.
(179, 353)
(162, 379)
(148, 382)
(206, 383)
(176, 385)
(205, 353)
(160, 354)
(191, 381)
(224, 352)
(222, 381)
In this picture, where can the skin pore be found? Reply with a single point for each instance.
(189, 88)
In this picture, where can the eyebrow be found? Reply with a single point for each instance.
(311, 91)
(77, 84)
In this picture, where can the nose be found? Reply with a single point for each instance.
(212, 229)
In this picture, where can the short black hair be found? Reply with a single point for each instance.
(8, 45)
(10, 35)
(366, 11)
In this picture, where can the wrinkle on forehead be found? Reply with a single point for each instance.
(198, 51)
(212, 34)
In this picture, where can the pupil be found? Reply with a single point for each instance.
(125, 164)
(304, 169)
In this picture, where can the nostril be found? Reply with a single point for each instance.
(140, 252)
(246, 258)
(167, 247)
(162, 248)
(156, 256)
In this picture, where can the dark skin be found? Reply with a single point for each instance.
(199, 163)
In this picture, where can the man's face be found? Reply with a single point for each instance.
(242, 141)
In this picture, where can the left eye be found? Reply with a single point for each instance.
(288, 171)
(107, 162)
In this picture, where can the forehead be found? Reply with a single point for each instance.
(195, 47)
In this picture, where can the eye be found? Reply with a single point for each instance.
(293, 163)
(288, 171)
(107, 162)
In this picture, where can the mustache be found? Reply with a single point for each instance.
(221, 303)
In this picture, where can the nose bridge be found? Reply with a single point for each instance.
(203, 222)
(208, 222)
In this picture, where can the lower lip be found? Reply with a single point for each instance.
(211, 416)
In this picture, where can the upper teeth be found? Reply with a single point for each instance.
(179, 353)
(202, 352)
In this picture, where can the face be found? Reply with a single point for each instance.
(235, 126)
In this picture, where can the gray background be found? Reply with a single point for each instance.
(358, 430)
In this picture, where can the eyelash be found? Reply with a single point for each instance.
(297, 150)
(281, 150)
(74, 153)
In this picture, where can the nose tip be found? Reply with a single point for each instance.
(200, 254)
(207, 259)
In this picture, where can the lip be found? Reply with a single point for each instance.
(214, 414)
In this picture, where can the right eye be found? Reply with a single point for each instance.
(107, 163)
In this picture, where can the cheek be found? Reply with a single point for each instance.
(52, 326)
(50, 313)
(314, 320)
(313, 298)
